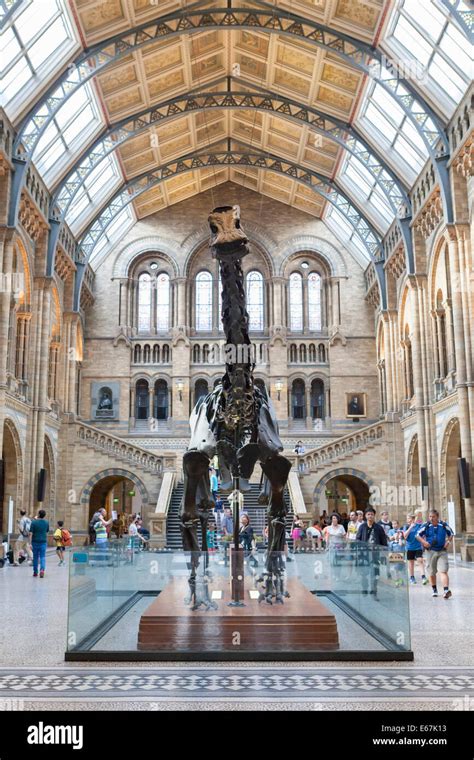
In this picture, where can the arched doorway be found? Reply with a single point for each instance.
(317, 399)
(11, 473)
(48, 464)
(342, 490)
(298, 401)
(119, 494)
(142, 400)
(201, 389)
(161, 400)
(450, 453)
(346, 492)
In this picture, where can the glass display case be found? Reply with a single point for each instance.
(348, 603)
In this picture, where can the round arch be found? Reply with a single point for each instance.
(449, 479)
(118, 473)
(325, 251)
(355, 479)
(163, 247)
(13, 470)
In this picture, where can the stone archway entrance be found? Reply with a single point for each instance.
(116, 490)
(450, 453)
(12, 474)
(341, 491)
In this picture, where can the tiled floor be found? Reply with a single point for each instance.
(33, 674)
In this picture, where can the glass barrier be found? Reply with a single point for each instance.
(349, 601)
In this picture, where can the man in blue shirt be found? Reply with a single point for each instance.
(39, 539)
(414, 550)
(435, 536)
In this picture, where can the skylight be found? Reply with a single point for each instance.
(73, 126)
(34, 47)
(345, 232)
(117, 229)
(421, 31)
(387, 124)
(100, 183)
(363, 186)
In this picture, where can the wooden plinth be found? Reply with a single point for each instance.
(302, 623)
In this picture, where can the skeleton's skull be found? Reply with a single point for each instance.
(228, 240)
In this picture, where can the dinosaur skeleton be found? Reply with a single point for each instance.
(236, 421)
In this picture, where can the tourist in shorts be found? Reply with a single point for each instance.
(414, 550)
(435, 537)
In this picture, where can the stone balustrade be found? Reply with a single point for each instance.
(115, 446)
(344, 446)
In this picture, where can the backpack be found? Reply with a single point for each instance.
(25, 531)
(66, 537)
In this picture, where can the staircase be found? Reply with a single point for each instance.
(256, 512)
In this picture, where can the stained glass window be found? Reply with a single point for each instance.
(144, 302)
(314, 301)
(204, 302)
(296, 302)
(255, 300)
(163, 302)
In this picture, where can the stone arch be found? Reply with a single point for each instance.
(316, 245)
(49, 465)
(163, 247)
(341, 472)
(448, 476)
(13, 475)
(113, 471)
(413, 462)
(265, 243)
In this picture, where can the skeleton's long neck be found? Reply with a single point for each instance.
(234, 315)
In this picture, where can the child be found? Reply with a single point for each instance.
(397, 544)
(62, 538)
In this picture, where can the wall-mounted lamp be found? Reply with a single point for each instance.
(278, 388)
(179, 388)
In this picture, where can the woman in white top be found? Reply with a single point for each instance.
(334, 534)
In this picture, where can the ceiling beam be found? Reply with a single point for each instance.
(249, 159)
(358, 54)
(336, 130)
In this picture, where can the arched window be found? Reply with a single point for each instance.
(144, 302)
(165, 354)
(163, 302)
(293, 353)
(314, 301)
(156, 354)
(201, 389)
(146, 354)
(298, 400)
(205, 353)
(142, 400)
(317, 400)
(303, 353)
(204, 302)
(312, 352)
(137, 354)
(296, 302)
(161, 400)
(197, 354)
(321, 353)
(255, 300)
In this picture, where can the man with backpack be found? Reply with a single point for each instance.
(23, 541)
(62, 538)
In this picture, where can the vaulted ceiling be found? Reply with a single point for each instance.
(175, 66)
